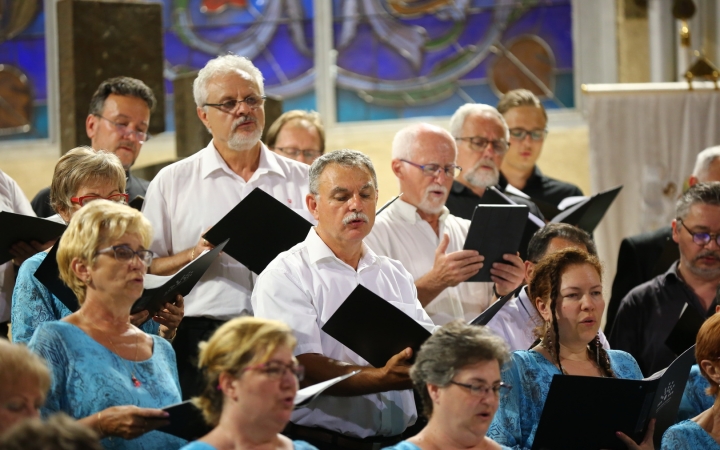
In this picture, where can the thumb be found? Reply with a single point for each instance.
(444, 242)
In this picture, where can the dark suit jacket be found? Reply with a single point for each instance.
(642, 257)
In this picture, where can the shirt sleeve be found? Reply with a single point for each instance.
(505, 428)
(155, 209)
(49, 345)
(21, 205)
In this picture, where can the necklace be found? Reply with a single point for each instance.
(133, 378)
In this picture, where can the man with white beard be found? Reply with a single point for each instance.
(188, 197)
(419, 231)
(482, 137)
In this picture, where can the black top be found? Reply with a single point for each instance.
(41, 203)
(462, 201)
(648, 314)
(641, 258)
(549, 190)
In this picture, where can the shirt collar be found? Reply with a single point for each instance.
(318, 250)
(409, 213)
(212, 161)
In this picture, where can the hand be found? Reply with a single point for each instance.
(396, 372)
(21, 251)
(170, 317)
(453, 268)
(129, 422)
(646, 444)
(139, 318)
(508, 276)
(201, 246)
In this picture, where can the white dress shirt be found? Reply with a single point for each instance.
(190, 196)
(516, 322)
(400, 233)
(303, 287)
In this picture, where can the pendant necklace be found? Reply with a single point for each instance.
(135, 381)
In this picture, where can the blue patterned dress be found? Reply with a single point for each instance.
(405, 445)
(695, 400)
(197, 445)
(33, 304)
(530, 375)
(688, 435)
(88, 378)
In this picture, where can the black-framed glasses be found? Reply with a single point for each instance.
(431, 170)
(124, 253)
(122, 128)
(294, 152)
(276, 369)
(230, 106)
(85, 199)
(482, 390)
(701, 238)
(479, 144)
(535, 135)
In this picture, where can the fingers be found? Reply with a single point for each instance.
(403, 355)
(180, 302)
(139, 318)
(627, 441)
(151, 413)
(21, 251)
(444, 242)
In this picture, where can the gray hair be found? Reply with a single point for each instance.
(220, 66)
(454, 346)
(406, 138)
(346, 158)
(704, 160)
(458, 119)
(705, 193)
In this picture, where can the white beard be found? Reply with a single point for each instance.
(482, 178)
(429, 206)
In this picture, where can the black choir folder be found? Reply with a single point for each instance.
(486, 316)
(494, 231)
(373, 328)
(18, 227)
(684, 333)
(261, 227)
(587, 213)
(49, 275)
(586, 412)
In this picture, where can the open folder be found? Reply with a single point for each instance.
(684, 333)
(18, 227)
(587, 214)
(493, 196)
(187, 422)
(494, 231)
(373, 328)
(585, 412)
(261, 227)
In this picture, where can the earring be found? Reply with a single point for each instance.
(598, 346)
(547, 340)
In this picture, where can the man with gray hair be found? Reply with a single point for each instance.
(649, 312)
(419, 231)
(305, 285)
(188, 197)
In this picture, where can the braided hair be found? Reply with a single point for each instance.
(545, 284)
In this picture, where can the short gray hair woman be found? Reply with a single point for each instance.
(457, 372)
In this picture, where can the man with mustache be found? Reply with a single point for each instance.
(419, 231)
(304, 286)
(482, 137)
(118, 122)
(188, 197)
(649, 312)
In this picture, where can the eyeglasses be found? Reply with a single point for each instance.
(535, 135)
(294, 152)
(479, 143)
(124, 253)
(122, 128)
(432, 170)
(85, 199)
(482, 390)
(276, 370)
(230, 106)
(702, 239)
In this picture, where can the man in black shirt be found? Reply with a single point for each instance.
(118, 121)
(648, 314)
(527, 121)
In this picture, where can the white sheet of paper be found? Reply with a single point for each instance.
(307, 394)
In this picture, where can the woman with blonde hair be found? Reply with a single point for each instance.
(251, 380)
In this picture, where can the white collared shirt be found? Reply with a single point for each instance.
(190, 196)
(516, 322)
(400, 233)
(303, 287)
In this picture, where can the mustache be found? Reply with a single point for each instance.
(436, 187)
(706, 253)
(485, 162)
(355, 216)
(242, 119)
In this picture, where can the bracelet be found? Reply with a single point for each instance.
(99, 424)
(495, 292)
(192, 254)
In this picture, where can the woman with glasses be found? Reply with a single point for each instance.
(251, 379)
(457, 373)
(106, 372)
(567, 289)
(81, 176)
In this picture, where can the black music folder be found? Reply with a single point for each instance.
(585, 412)
(684, 333)
(494, 231)
(137, 202)
(588, 213)
(18, 227)
(161, 290)
(261, 227)
(49, 275)
(373, 328)
(486, 316)
(493, 196)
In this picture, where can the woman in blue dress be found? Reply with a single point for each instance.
(702, 431)
(106, 372)
(251, 380)
(81, 176)
(567, 287)
(457, 373)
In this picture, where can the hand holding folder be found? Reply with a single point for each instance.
(18, 228)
